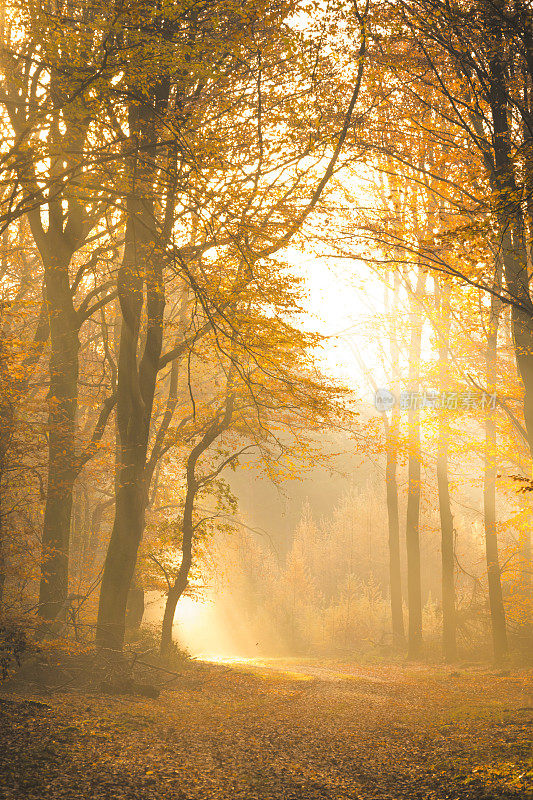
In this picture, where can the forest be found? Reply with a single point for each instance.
(266, 399)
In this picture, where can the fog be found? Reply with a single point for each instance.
(266, 399)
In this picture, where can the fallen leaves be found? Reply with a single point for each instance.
(372, 734)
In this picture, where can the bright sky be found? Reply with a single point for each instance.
(345, 302)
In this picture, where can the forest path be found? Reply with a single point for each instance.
(289, 729)
(298, 668)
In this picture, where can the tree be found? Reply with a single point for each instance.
(499, 632)
(412, 522)
(249, 218)
(464, 60)
(53, 70)
(392, 447)
(442, 301)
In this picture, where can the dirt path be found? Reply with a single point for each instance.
(300, 668)
(289, 730)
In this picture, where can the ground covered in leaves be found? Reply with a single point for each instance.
(286, 730)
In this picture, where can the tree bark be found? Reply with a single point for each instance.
(510, 218)
(412, 532)
(142, 266)
(136, 389)
(62, 405)
(94, 536)
(497, 610)
(181, 582)
(7, 427)
(395, 575)
(392, 431)
(135, 606)
(524, 554)
(173, 596)
(220, 424)
(449, 642)
(524, 568)
(515, 268)
(67, 229)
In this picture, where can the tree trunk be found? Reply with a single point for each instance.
(62, 405)
(181, 582)
(173, 596)
(219, 425)
(7, 422)
(515, 267)
(135, 605)
(86, 535)
(136, 388)
(449, 643)
(412, 532)
(395, 575)
(392, 431)
(513, 233)
(524, 570)
(76, 536)
(94, 526)
(516, 274)
(524, 556)
(121, 558)
(3, 564)
(497, 611)
(142, 266)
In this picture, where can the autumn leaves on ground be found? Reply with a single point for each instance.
(174, 176)
(283, 730)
